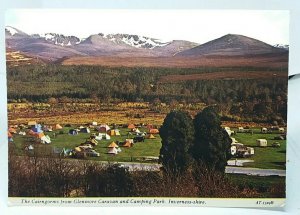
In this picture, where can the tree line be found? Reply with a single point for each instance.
(263, 98)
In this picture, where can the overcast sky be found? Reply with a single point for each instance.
(194, 25)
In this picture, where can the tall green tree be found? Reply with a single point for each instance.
(212, 143)
(177, 134)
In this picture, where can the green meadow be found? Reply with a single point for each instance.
(266, 158)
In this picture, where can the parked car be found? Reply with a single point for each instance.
(139, 139)
(276, 145)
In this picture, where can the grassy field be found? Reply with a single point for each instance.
(268, 158)
(150, 147)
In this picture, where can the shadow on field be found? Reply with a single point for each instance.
(279, 163)
(282, 151)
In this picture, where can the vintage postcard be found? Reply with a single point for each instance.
(147, 107)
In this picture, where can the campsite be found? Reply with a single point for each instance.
(146, 152)
(111, 153)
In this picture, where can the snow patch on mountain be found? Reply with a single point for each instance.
(282, 46)
(134, 40)
(60, 39)
(12, 31)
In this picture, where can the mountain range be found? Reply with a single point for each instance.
(54, 47)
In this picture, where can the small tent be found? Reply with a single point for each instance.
(141, 134)
(57, 127)
(104, 136)
(131, 126)
(127, 144)
(117, 132)
(150, 136)
(99, 137)
(150, 126)
(103, 128)
(40, 135)
(12, 130)
(111, 132)
(154, 131)
(129, 140)
(94, 123)
(137, 131)
(113, 145)
(47, 128)
(45, 139)
(262, 142)
(37, 128)
(112, 151)
(114, 132)
(240, 129)
(264, 130)
(77, 149)
(281, 130)
(92, 142)
(73, 132)
(31, 133)
(85, 130)
(31, 123)
(23, 133)
(233, 140)
(229, 131)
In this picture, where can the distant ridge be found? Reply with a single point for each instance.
(232, 45)
(57, 47)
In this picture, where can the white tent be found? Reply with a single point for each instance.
(104, 136)
(94, 123)
(85, 130)
(233, 140)
(228, 130)
(103, 128)
(241, 129)
(23, 133)
(112, 151)
(46, 139)
(137, 131)
(107, 137)
(99, 137)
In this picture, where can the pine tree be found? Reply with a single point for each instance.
(212, 143)
(177, 134)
